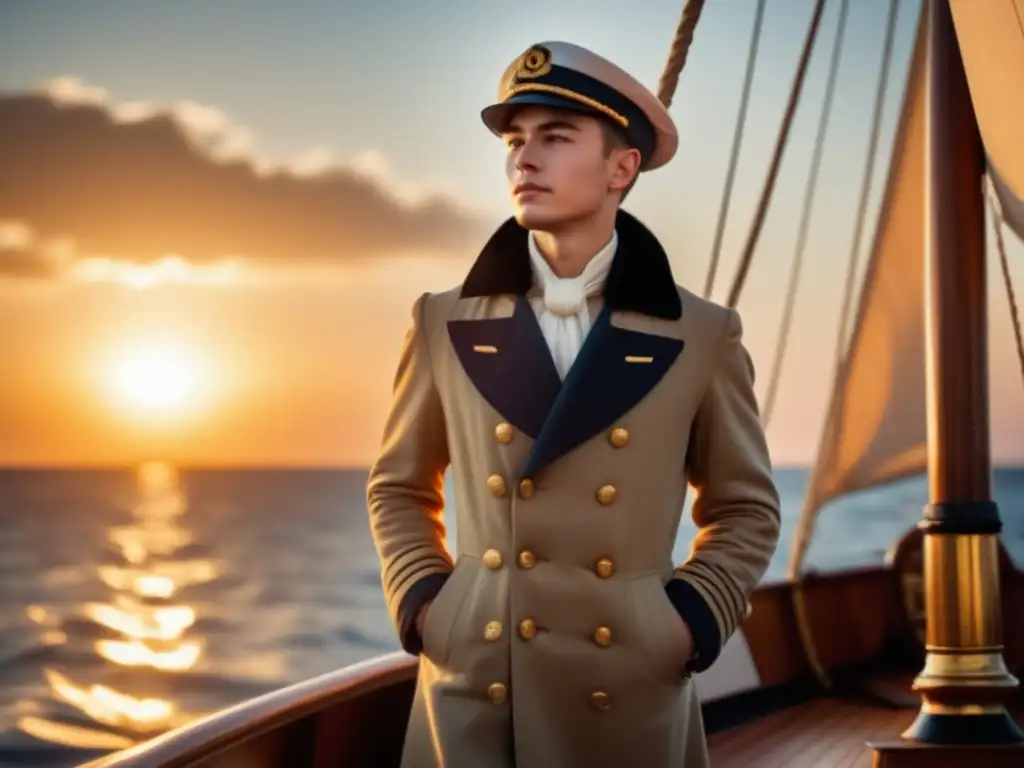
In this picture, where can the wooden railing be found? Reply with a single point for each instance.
(204, 738)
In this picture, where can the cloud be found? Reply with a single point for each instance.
(24, 254)
(185, 185)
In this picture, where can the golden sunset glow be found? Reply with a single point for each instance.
(223, 285)
(156, 378)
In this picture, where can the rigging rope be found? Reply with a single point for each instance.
(805, 218)
(678, 51)
(780, 147)
(1007, 280)
(799, 597)
(734, 155)
(846, 314)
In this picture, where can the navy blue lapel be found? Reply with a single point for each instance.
(518, 378)
(509, 363)
(615, 370)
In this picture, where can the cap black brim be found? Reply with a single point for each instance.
(497, 116)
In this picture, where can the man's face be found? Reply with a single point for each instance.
(559, 166)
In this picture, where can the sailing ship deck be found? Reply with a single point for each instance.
(825, 733)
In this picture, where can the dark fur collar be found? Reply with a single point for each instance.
(640, 279)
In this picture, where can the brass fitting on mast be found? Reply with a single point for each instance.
(965, 683)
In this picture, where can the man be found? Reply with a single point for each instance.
(575, 390)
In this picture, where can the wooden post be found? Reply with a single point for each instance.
(965, 683)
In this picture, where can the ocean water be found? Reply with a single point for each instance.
(135, 600)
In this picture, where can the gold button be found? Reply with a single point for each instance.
(527, 629)
(492, 559)
(619, 437)
(497, 692)
(603, 636)
(503, 432)
(526, 487)
(492, 631)
(496, 485)
(527, 559)
(604, 568)
(606, 494)
(600, 700)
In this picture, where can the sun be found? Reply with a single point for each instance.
(157, 377)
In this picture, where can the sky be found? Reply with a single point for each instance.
(214, 218)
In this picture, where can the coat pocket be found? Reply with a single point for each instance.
(656, 627)
(444, 612)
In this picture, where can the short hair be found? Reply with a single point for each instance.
(615, 138)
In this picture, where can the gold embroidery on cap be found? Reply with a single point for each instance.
(639, 359)
(536, 62)
(558, 91)
(486, 349)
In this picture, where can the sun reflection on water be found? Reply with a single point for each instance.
(107, 706)
(145, 621)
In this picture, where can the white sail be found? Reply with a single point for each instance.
(875, 428)
(991, 38)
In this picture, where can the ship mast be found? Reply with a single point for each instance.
(964, 684)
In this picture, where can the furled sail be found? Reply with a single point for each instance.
(991, 38)
(875, 427)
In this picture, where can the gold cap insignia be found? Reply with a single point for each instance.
(536, 62)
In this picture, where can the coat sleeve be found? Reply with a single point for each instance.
(736, 507)
(405, 488)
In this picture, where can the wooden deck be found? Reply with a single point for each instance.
(827, 733)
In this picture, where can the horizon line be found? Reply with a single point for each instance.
(310, 466)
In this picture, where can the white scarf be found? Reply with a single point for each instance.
(563, 313)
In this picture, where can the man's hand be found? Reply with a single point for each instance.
(421, 618)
